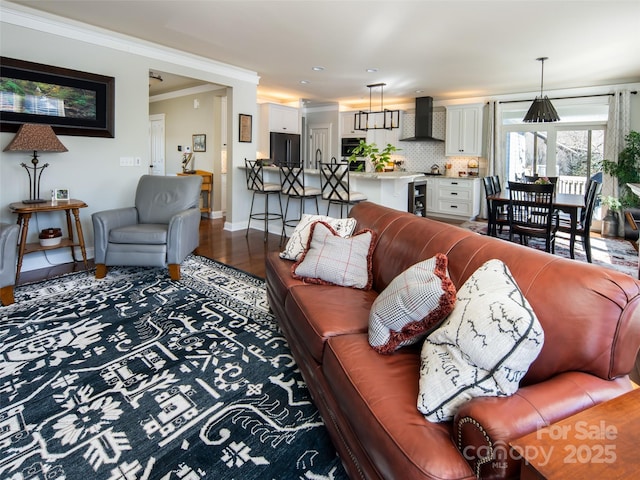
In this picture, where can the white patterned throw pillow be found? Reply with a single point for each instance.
(300, 236)
(333, 260)
(483, 348)
(414, 303)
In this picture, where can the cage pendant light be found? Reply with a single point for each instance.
(382, 119)
(541, 110)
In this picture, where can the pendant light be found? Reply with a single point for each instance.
(541, 110)
(372, 120)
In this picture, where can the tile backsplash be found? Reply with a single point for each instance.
(421, 156)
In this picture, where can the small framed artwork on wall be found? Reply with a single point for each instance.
(245, 128)
(200, 142)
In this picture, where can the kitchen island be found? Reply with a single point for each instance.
(385, 188)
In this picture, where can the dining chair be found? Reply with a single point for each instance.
(495, 180)
(583, 228)
(255, 183)
(531, 213)
(292, 184)
(495, 219)
(335, 186)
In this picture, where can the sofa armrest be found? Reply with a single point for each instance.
(484, 426)
(183, 235)
(104, 222)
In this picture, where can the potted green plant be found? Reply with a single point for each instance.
(379, 159)
(626, 170)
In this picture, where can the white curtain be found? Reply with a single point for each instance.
(495, 159)
(618, 127)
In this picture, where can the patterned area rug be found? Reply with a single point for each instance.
(613, 253)
(137, 377)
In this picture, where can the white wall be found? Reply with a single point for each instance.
(90, 169)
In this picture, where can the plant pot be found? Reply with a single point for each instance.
(610, 224)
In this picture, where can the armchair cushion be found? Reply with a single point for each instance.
(149, 233)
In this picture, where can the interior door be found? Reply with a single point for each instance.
(320, 146)
(156, 145)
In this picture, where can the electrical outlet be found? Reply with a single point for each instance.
(179, 148)
(137, 161)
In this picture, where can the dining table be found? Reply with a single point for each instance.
(570, 203)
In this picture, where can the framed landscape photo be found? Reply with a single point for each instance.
(61, 194)
(72, 102)
(200, 142)
(245, 128)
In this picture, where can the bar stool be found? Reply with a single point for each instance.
(335, 186)
(293, 185)
(255, 182)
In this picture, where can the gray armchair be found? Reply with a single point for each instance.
(162, 228)
(8, 258)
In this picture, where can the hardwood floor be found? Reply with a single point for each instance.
(231, 248)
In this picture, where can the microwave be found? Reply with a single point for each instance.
(348, 144)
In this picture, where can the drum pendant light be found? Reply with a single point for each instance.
(541, 110)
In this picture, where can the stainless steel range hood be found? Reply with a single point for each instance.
(424, 122)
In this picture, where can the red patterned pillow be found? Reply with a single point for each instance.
(330, 259)
(412, 305)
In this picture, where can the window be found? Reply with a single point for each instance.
(571, 149)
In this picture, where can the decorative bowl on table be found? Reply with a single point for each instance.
(50, 237)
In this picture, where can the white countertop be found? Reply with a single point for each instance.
(363, 175)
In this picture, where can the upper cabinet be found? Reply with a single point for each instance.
(347, 125)
(280, 118)
(464, 130)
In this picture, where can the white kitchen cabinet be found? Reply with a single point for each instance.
(464, 130)
(346, 125)
(453, 197)
(280, 118)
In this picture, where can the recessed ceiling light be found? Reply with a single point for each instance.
(419, 91)
(317, 69)
(372, 70)
(305, 82)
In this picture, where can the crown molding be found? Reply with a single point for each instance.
(63, 27)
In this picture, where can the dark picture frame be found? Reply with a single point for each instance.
(72, 102)
(246, 124)
(199, 142)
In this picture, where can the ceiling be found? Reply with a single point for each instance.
(446, 49)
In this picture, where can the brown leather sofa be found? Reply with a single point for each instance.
(590, 316)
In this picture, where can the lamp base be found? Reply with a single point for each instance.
(33, 200)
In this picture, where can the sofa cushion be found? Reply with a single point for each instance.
(376, 395)
(483, 348)
(300, 237)
(414, 303)
(333, 260)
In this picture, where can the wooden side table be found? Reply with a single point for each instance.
(599, 442)
(205, 190)
(25, 210)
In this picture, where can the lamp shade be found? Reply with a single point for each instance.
(33, 137)
(541, 110)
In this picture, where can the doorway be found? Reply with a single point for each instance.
(320, 147)
(156, 144)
